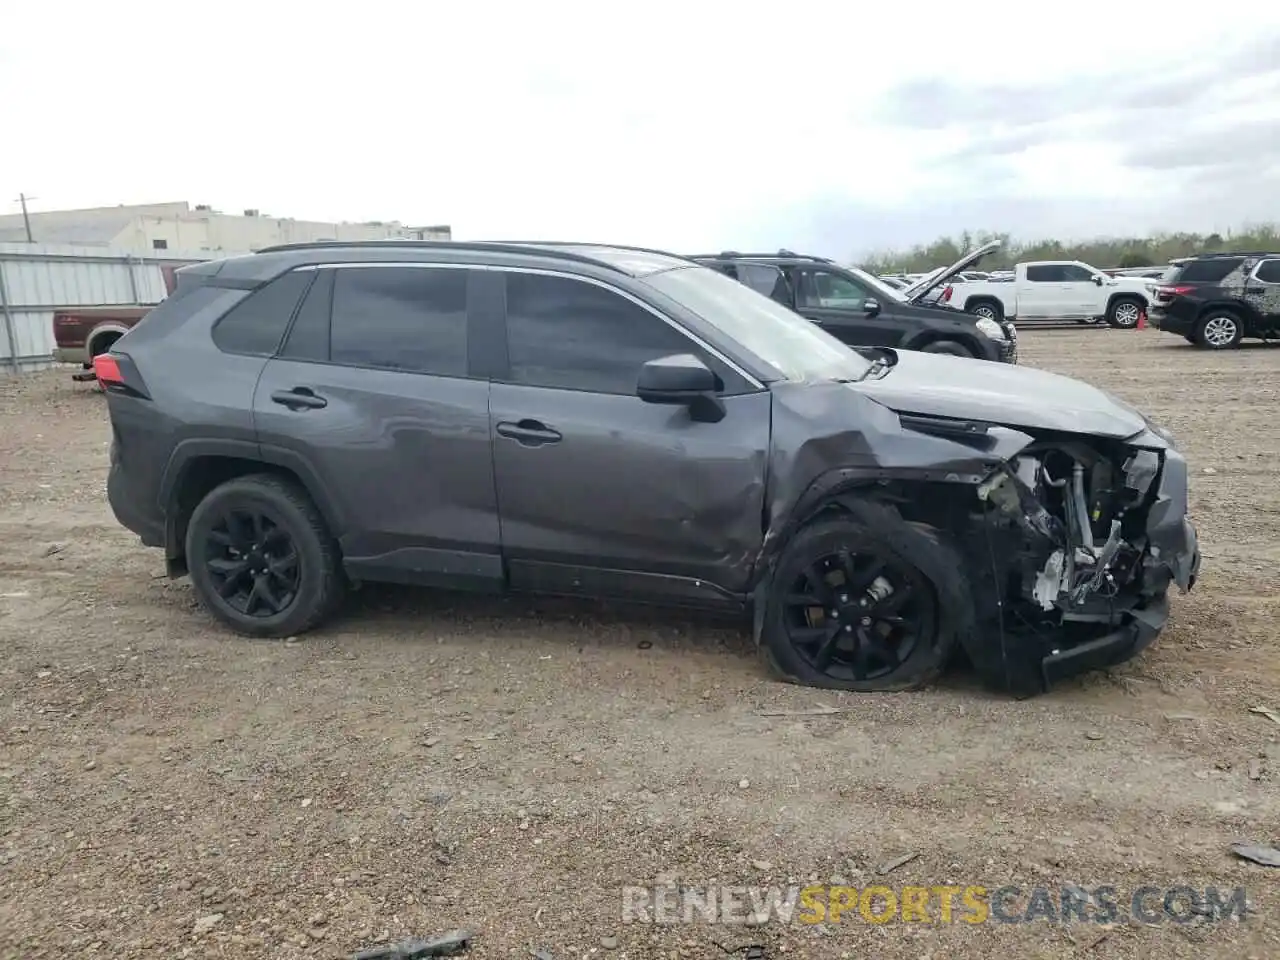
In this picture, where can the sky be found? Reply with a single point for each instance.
(829, 128)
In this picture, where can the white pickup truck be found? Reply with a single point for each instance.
(1055, 290)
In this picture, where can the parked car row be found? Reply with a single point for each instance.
(1214, 300)
(625, 423)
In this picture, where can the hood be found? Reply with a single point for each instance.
(1132, 283)
(961, 388)
(922, 288)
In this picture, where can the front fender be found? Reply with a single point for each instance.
(828, 438)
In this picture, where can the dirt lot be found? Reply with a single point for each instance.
(435, 761)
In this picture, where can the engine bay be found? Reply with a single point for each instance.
(1082, 510)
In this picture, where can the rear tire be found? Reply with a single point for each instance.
(1219, 330)
(876, 641)
(951, 348)
(261, 559)
(991, 309)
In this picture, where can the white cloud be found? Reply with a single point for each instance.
(680, 125)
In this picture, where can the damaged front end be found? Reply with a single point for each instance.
(1081, 538)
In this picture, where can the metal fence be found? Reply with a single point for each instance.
(37, 280)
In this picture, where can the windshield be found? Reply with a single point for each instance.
(781, 338)
(879, 286)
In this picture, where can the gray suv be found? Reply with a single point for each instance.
(626, 423)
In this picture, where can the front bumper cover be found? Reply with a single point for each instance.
(1173, 546)
(1141, 628)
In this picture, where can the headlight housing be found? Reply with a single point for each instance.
(990, 328)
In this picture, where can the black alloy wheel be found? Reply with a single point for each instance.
(858, 616)
(252, 562)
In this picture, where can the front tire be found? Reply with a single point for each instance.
(262, 560)
(1219, 330)
(951, 348)
(864, 601)
(1124, 312)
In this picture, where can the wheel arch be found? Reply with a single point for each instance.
(198, 466)
(965, 339)
(1238, 310)
(102, 337)
(1134, 295)
(843, 490)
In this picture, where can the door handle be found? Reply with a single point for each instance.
(299, 398)
(530, 433)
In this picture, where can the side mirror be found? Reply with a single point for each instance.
(871, 306)
(682, 380)
(1097, 279)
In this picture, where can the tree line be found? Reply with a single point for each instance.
(1103, 252)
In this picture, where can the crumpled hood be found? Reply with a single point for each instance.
(945, 386)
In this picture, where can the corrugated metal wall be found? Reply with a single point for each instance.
(37, 279)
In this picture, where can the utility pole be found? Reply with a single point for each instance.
(26, 218)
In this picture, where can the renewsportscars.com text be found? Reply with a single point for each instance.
(971, 904)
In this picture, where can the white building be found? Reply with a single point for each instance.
(145, 228)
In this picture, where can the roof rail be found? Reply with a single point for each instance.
(1233, 253)
(777, 255)
(588, 245)
(526, 248)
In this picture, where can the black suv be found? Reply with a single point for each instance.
(1216, 300)
(863, 311)
(616, 422)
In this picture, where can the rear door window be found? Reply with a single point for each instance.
(833, 290)
(767, 279)
(309, 336)
(400, 318)
(1047, 273)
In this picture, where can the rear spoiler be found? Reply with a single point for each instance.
(206, 274)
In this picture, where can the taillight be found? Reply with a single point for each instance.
(107, 369)
(1166, 293)
(116, 372)
(946, 293)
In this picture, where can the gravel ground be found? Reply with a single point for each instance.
(436, 761)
